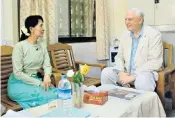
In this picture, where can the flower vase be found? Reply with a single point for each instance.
(77, 95)
(82, 77)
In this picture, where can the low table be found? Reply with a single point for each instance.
(147, 104)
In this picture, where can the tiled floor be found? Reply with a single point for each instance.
(168, 108)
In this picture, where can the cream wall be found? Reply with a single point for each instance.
(86, 52)
(9, 22)
(116, 17)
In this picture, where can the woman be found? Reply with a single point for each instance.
(29, 55)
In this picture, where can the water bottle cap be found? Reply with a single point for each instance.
(63, 77)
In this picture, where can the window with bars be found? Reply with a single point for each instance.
(76, 21)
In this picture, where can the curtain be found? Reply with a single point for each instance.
(82, 18)
(63, 18)
(89, 19)
(77, 20)
(48, 10)
(102, 30)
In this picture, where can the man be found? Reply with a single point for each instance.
(139, 56)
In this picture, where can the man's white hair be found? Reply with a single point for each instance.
(139, 12)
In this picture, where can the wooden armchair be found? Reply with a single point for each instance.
(165, 80)
(6, 70)
(173, 88)
(62, 59)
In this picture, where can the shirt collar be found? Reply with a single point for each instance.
(140, 35)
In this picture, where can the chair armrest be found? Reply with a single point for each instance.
(54, 70)
(102, 66)
(172, 67)
(163, 73)
(55, 78)
(9, 104)
(168, 69)
(3, 109)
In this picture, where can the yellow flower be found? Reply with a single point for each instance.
(84, 69)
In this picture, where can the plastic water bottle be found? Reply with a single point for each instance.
(64, 94)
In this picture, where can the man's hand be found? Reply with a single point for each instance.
(126, 78)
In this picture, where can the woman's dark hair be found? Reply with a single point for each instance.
(30, 21)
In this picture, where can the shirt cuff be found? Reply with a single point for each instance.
(116, 70)
(47, 72)
(135, 74)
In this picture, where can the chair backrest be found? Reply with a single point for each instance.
(62, 57)
(169, 49)
(6, 67)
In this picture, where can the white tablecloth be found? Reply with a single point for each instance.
(146, 105)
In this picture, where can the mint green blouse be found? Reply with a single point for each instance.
(28, 58)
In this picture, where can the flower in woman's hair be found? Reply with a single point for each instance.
(70, 73)
(25, 31)
(84, 69)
